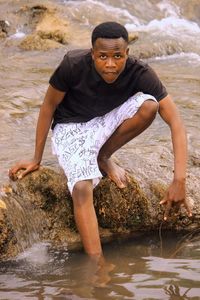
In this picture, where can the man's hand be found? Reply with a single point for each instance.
(25, 166)
(175, 196)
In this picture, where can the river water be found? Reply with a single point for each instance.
(145, 268)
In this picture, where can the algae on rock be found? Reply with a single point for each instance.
(40, 208)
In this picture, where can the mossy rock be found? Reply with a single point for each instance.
(43, 199)
(7, 237)
(47, 190)
(121, 209)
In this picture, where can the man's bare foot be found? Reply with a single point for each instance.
(114, 172)
(102, 274)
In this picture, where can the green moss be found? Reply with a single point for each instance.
(121, 208)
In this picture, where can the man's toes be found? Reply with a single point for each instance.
(118, 182)
(121, 184)
(128, 178)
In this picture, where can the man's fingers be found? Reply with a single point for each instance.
(187, 207)
(167, 210)
(128, 178)
(15, 169)
(168, 204)
(27, 170)
(22, 174)
(120, 184)
(12, 172)
(163, 201)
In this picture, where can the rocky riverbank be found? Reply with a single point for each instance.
(39, 207)
(46, 26)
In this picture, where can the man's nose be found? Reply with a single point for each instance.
(110, 62)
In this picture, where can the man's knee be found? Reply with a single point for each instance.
(148, 109)
(82, 192)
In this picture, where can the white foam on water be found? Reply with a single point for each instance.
(169, 9)
(116, 11)
(7, 23)
(191, 57)
(167, 26)
(18, 35)
(36, 255)
(172, 25)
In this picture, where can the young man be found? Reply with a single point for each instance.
(99, 100)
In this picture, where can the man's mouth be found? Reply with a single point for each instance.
(110, 72)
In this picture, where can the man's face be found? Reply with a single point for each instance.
(109, 56)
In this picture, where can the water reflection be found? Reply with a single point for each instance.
(43, 272)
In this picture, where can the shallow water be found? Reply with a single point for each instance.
(143, 269)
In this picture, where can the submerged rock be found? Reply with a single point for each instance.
(39, 208)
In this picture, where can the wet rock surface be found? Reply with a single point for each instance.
(39, 207)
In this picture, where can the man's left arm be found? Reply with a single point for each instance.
(176, 193)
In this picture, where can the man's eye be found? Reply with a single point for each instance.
(103, 56)
(117, 56)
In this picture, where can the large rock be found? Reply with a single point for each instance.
(39, 207)
(36, 42)
(49, 30)
(43, 25)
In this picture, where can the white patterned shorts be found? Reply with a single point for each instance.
(77, 144)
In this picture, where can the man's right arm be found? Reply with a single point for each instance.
(52, 98)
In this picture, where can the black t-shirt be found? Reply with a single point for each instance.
(88, 95)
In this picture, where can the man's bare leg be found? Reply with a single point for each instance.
(85, 217)
(128, 130)
(87, 225)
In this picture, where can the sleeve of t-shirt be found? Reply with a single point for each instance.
(149, 83)
(60, 79)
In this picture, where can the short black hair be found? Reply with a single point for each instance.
(109, 30)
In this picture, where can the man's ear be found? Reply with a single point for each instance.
(127, 51)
